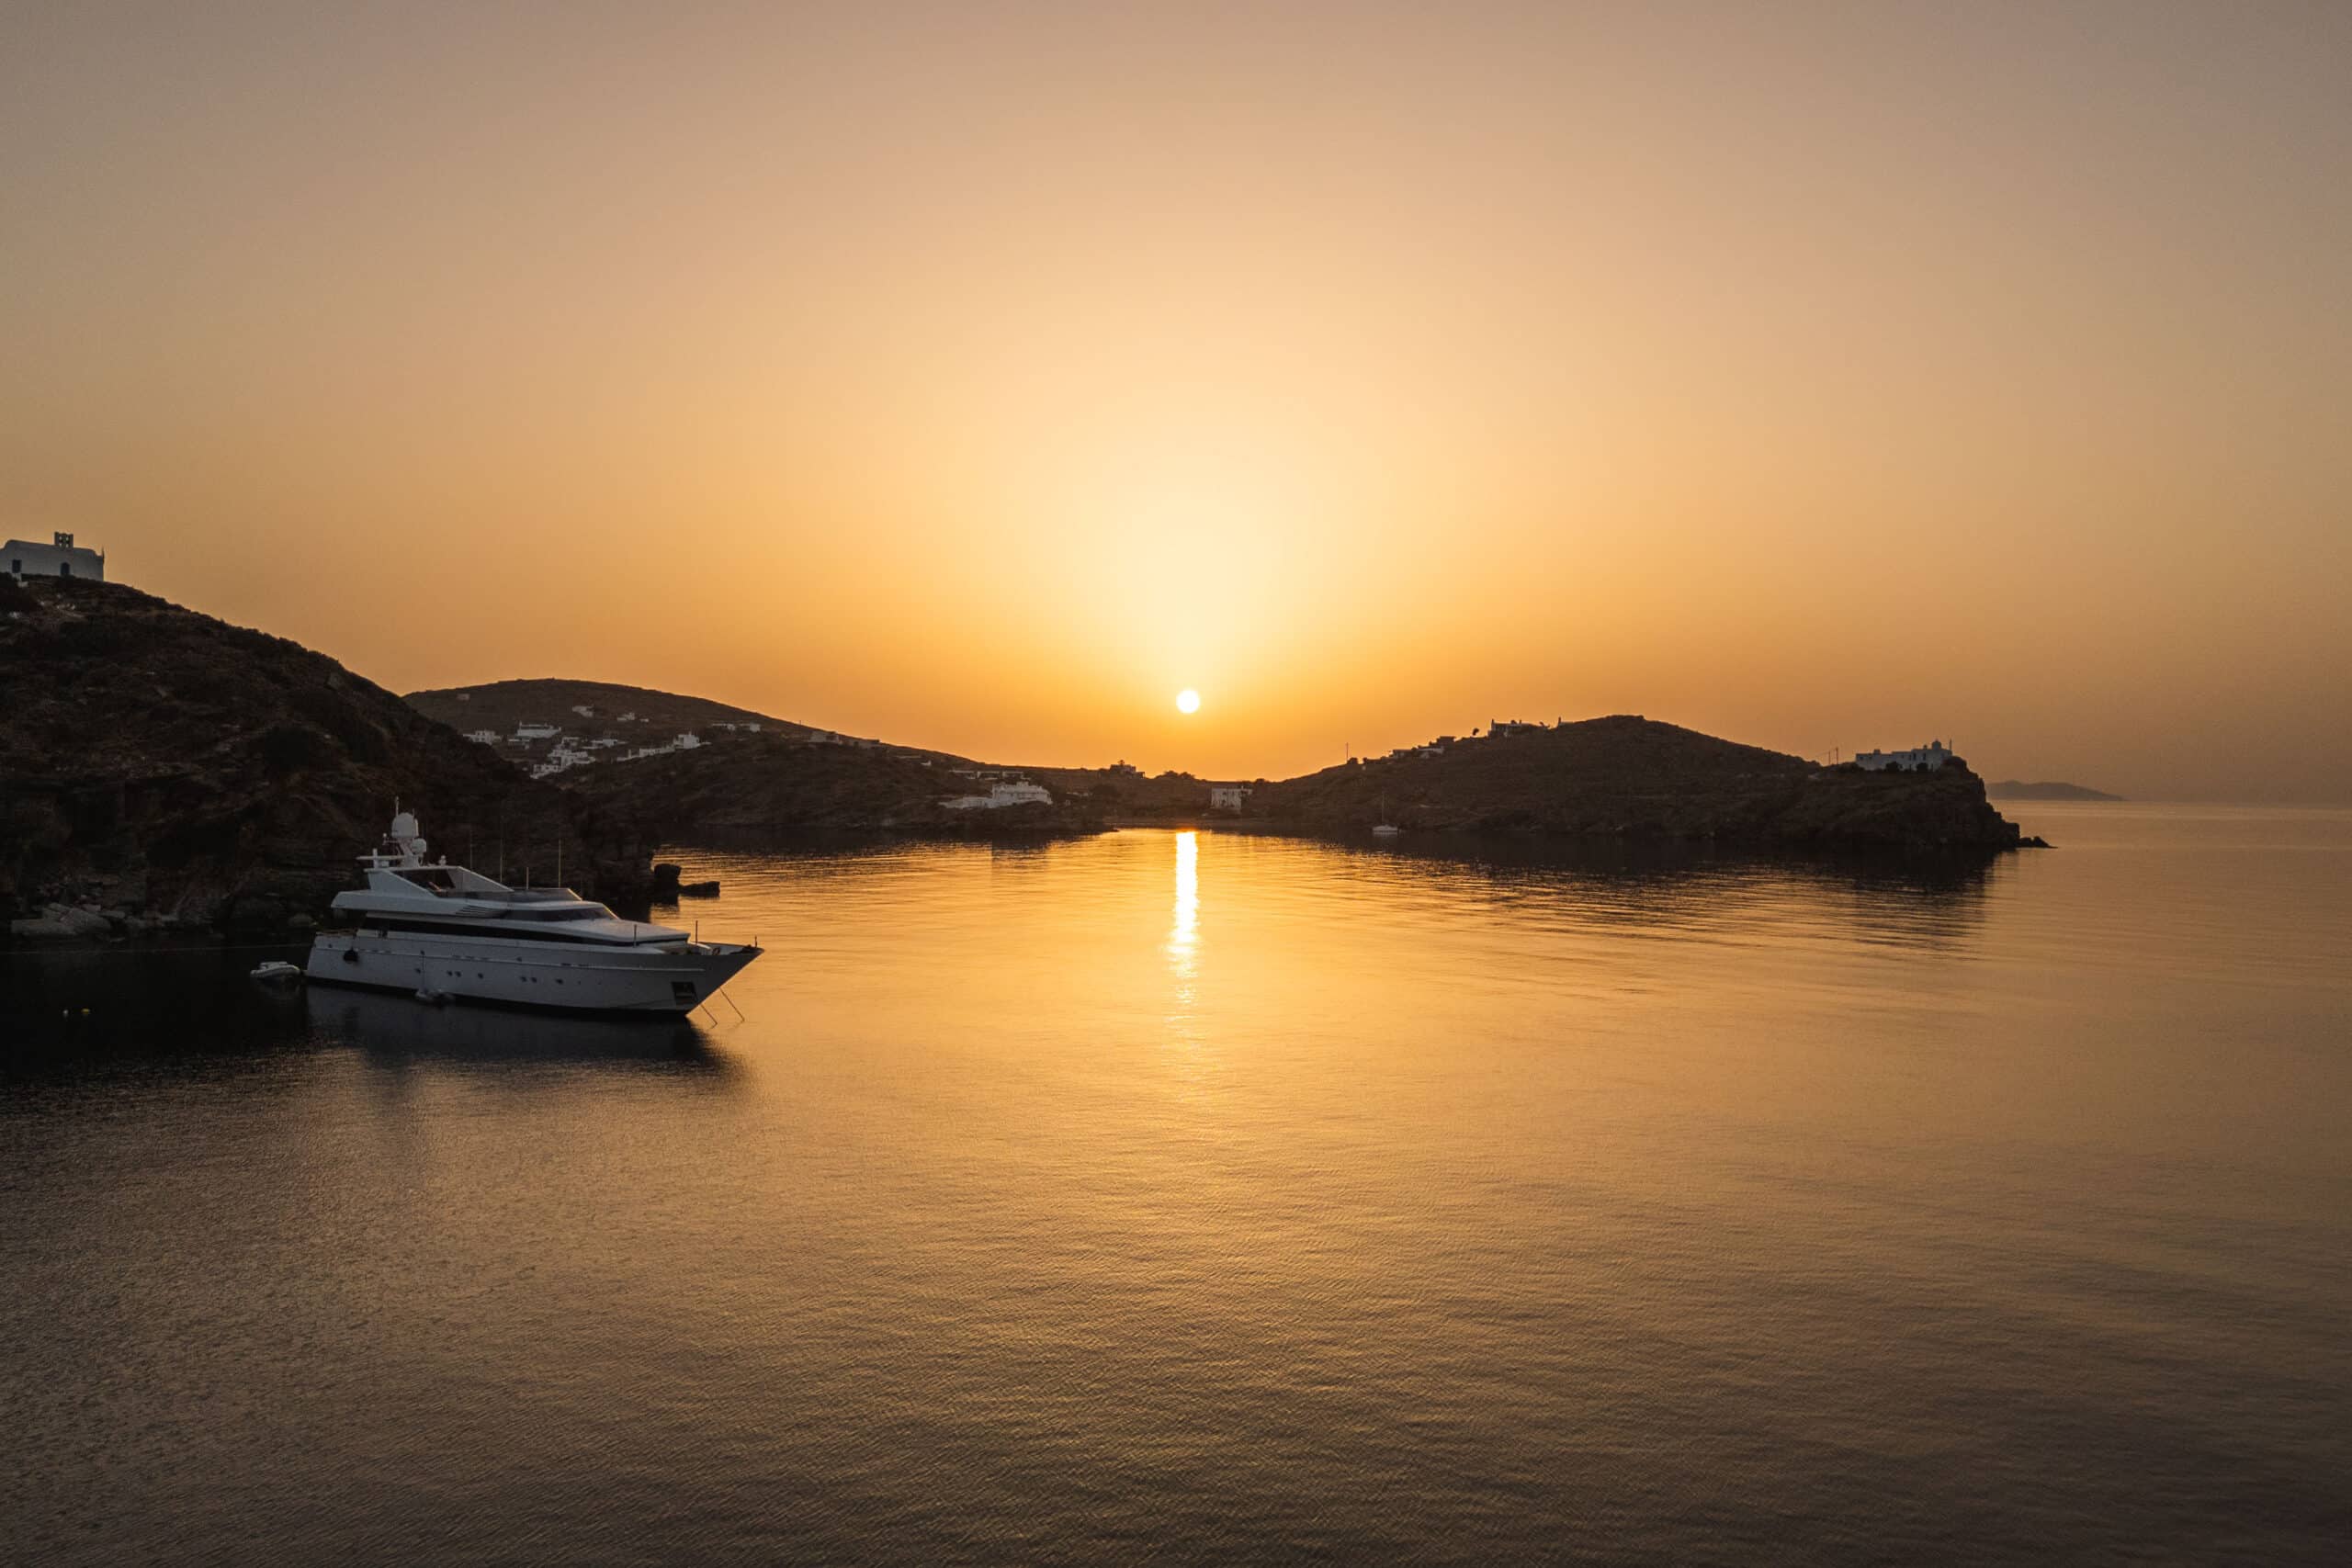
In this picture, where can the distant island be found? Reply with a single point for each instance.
(158, 766)
(1628, 776)
(2014, 789)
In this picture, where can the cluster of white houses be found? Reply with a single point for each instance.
(571, 751)
(567, 749)
(62, 559)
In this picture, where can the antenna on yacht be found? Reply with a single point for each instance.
(558, 855)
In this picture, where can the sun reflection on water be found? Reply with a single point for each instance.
(1184, 934)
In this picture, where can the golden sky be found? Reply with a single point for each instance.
(980, 375)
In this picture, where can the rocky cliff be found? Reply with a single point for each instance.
(779, 780)
(1636, 778)
(158, 762)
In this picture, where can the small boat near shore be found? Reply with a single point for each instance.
(446, 933)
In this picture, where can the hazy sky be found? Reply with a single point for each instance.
(980, 375)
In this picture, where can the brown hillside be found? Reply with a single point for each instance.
(1634, 777)
(154, 758)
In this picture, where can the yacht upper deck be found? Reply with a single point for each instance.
(405, 891)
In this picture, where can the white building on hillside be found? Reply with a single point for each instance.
(24, 559)
(1920, 758)
(1001, 795)
(536, 732)
(689, 741)
(1228, 798)
(563, 757)
(485, 737)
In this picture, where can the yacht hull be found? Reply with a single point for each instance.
(570, 978)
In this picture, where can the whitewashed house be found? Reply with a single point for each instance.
(567, 755)
(483, 736)
(1001, 795)
(24, 559)
(529, 732)
(689, 741)
(1929, 758)
(1228, 798)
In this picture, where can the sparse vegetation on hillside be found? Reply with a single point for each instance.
(1639, 778)
(152, 758)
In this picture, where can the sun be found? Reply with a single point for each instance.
(1188, 701)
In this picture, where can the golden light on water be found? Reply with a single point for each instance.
(1184, 932)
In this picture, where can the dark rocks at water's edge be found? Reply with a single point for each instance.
(159, 768)
(668, 888)
(1636, 778)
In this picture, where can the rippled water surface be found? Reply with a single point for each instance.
(1229, 1199)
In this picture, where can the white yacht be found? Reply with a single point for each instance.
(445, 932)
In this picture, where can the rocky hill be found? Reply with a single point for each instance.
(158, 762)
(602, 716)
(638, 716)
(774, 781)
(1636, 778)
(674, 765)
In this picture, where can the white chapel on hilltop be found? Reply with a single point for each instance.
(1929, 758)
(23, 558)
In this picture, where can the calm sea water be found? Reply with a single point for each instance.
(1222, 1199)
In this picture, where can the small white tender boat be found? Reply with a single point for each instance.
(277, 972)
